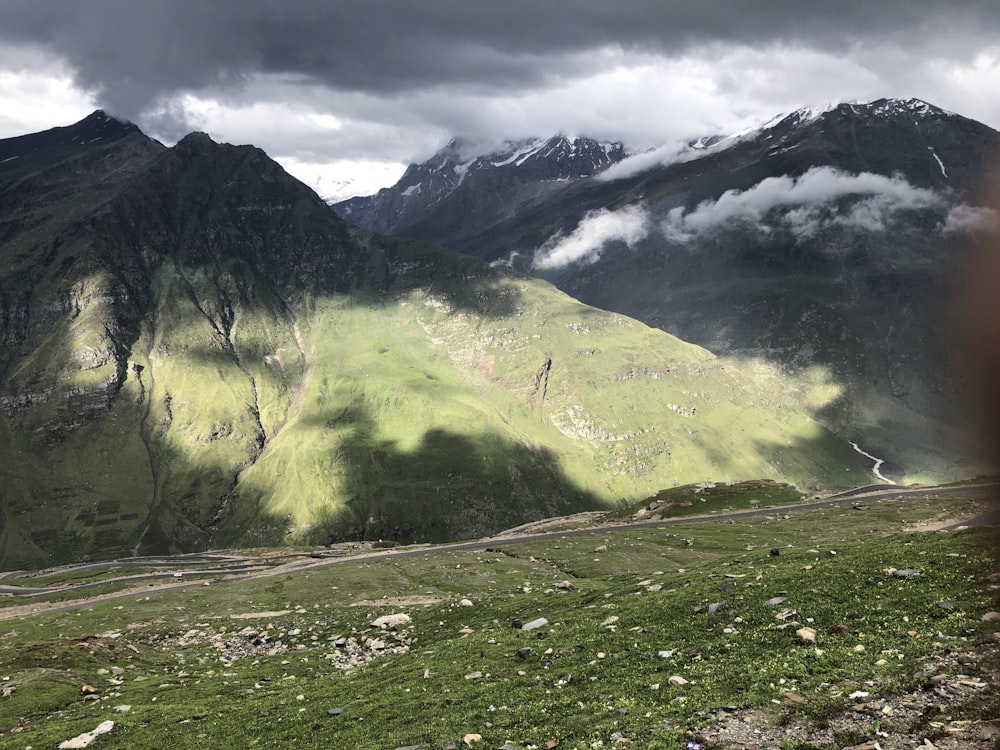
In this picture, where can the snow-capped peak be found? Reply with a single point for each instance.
(905, 106)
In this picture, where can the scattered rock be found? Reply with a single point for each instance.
(602, 548)
(906, 573)
(87, 738)
(335, 711)
(610, 621)
(392, 621)
(905, 719)
(523, 653)
(465, 603)
(470, 739)
(991, 617)
(677, 680)
(566, 586)
(806, 635)
(541, 622)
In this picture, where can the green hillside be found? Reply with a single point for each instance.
(203, 354)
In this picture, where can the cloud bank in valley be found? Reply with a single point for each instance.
(810, 203)
(585, 243)
(819, 199)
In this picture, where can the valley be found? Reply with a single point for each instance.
(199, 354)
(500, 375)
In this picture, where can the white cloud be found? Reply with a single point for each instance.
(810, 199)
(585, 243)
(664, 156)
(341, 179)
(38, 92)
(965, 219)
(645, 95)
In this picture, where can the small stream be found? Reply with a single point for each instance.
(878, 462)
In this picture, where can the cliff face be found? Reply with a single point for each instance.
(195, 350)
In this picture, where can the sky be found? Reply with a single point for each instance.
(345, 93)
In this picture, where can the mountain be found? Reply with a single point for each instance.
(827, 239)
(196, 351)
(457, 187)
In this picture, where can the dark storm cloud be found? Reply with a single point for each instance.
(135, 54)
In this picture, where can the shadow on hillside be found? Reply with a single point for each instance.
(449, 486)
(400, 267)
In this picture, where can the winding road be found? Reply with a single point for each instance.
(227, 568)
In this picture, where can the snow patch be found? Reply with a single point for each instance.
(519, 155)
(938, 159)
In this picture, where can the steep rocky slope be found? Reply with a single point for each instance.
(196, 351)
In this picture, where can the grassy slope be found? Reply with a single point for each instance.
(412, 415)
(583, 679)
(419, 416)
(284, 373)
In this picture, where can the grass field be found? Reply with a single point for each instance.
(626, 613)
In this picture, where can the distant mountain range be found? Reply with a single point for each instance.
(476, 190)
(826, 241)
(196, 351)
